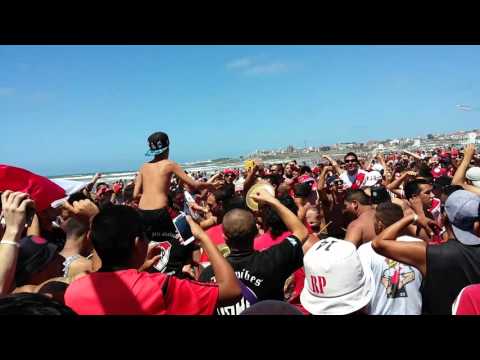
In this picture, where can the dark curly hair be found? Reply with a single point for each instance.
(272, 219)
(32, 304)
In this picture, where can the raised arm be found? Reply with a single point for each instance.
(459, 177)
(290, 219)
(34, 228)
(92, 183)
(321, 184)
(412, 154)
(413, 253)
(251, 178)
(14, 206)
(337, 168)
(197, 185)
(229, 288)
(395, 184)
(381, 160)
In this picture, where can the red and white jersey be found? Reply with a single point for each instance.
(436, 211)
(354, 181)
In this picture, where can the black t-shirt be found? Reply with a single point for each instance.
(263, 274)
(160, 229)
(450, 267)
(55, 236)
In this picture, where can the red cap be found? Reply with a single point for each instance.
(103, 190)
(229, 171)
(305, 178)
(117, 188)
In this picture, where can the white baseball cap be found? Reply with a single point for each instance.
(473, 174)
(336, 281)
(372, 178)
(377, 167)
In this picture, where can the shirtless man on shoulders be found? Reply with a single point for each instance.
(151, 188)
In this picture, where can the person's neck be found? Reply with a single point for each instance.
(362, 209)
(158, 159)
(73, 246)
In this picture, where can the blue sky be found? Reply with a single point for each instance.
(73, 109)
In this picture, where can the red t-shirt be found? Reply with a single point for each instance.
(468, 301)
(266, 240)
(215, 233)
(130, 292)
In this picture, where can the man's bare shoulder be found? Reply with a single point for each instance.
(355, 225)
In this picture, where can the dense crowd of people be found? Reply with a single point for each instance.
(389, 234)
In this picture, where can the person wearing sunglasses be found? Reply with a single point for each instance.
(353, 177)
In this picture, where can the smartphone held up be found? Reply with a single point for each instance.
(183, 229)
(30, 213)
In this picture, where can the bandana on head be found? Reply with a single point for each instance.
(156, 152)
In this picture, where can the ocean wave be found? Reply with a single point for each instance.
(210, 167)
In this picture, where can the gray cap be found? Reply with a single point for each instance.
(462, 208)
(473, 174)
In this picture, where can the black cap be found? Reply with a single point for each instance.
(158, 141)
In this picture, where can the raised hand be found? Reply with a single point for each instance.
(263, 196)
(328, 158)
(14, 209)
(153, 255)
(469, 151)
(428, 224)
(416, 205)
(196, 230)
(84, 208)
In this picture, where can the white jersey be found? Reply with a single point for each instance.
(397, 285)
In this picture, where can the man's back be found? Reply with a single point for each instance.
(155, 180)
(362, 229)
(263, 274)
(129, 292)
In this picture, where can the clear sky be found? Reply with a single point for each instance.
(73, 109)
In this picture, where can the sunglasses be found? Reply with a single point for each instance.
(350, 161)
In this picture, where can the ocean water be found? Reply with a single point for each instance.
(208, 166)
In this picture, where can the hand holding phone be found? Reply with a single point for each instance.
(17, 210)
(183, 229)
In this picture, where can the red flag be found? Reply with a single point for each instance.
(41, 190)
